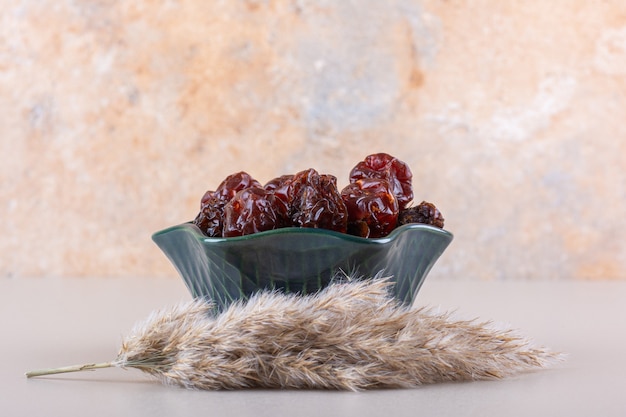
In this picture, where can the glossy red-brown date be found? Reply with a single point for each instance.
(372, 207)
(253, 210)
(424, 212)
(281, 187)
(234, 183)
(315, 201)
(211, 216)
(387, 167)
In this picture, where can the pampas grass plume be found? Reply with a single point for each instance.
(352, 335)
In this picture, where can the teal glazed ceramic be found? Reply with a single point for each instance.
(301, 260)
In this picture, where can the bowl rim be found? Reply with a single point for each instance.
(189, 226)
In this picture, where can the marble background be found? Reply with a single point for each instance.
(115, 117)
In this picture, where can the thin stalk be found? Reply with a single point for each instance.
(73, 368)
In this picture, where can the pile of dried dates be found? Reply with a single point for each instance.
(373, 204)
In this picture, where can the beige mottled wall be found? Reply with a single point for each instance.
(115, 117)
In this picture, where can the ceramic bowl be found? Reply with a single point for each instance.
(301, 260)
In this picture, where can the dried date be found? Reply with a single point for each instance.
(210, 219)
(315, 201)
(425, 213)
(372, 207)
(253, 210)
(387, 167)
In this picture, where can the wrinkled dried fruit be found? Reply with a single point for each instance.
(253, 210)
(372, 203)
(425, 213)
(211, 216)
(281, 187)
(233, 184)
(314, 201)
(386, 167)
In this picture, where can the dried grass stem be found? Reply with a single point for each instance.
(72, 368)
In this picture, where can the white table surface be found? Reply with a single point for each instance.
(54, 322)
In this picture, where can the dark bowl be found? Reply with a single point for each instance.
(301, 260)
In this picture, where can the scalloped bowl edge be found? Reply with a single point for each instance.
(302, 260)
